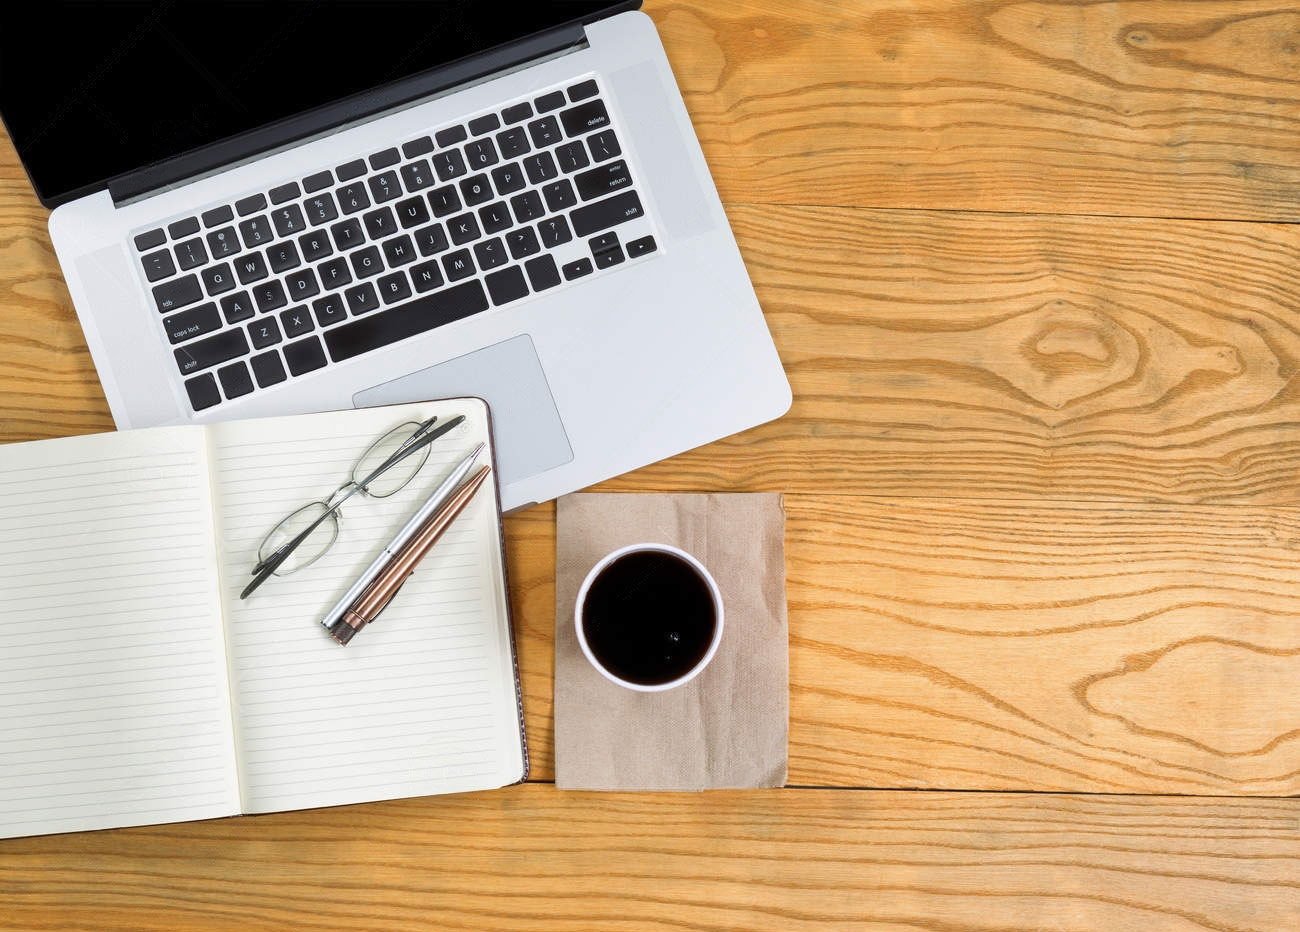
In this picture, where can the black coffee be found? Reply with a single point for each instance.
(649, 617)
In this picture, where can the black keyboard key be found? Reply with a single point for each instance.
(552, 101)
(585, 117)
(384, 159)
(191, 254)
(421, 146)
(582, 90)
(572, 156)
(236, 307)
(381, 223)
(304, 356)
(517, 112)
(458, 265)
(217, 216)
(417, 175)
(506, 285)
(431, 240)
(481, 153)
(523, 242)
(495, 217)
(490, 253)
(158, 265)
(362, 298)
(334, 274)
(559, 195)
(218, 279)
(330, 309)
(270, 296)
(320, 209)
(484, 124)
(426, 276)
(296, 321)
(170, 296)
(540, 167)
(394, 288)
(348, 234)
(602, 242)
(398, 251)
(150, 239)
(544, 132)
(301, 285)
(211, 351)
(285, 192)
(256, 231)
(604, 145)
(235, 380)
(475, 189)
(349, 170)
(592, 218)
(315, 246)
(603, 179)
(463, 229)
(412, 212)
(527, 206)
(450, 136)
(264, 333)
(444, 201)
(250, 205)
(193, 322)
(609, 257)
(542, 273)
(283, 256)
(182, 228)
(223, 243)
(641, 247)
(318, 181)
(251, 268)
(508, 178)
(405, 320)
(352, 197)
(554, 231)
(203, 392)
(577, 269)
(366, 262)
(449, 164)
(513, 142)
(385, 187)
(268, 369)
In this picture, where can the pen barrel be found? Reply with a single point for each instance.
(373, 600)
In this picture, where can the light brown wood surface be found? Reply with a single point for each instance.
(1024, 265)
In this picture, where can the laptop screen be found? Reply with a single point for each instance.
(104, 88)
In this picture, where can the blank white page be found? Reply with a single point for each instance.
(113, 673)
(422, 700)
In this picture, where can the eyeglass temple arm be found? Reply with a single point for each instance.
(415, 446)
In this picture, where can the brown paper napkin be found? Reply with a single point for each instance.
(726, 728)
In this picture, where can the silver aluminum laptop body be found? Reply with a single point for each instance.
(588, 379)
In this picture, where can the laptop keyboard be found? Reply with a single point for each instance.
(353, 258)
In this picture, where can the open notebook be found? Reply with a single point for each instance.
(139, 689)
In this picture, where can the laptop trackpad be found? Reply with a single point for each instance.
(526, 426)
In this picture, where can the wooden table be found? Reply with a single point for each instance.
(1031, 269)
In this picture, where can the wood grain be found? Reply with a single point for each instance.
(1176, 108)
(529, 858)
(1002, 645)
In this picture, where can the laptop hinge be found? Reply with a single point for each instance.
(354, 109)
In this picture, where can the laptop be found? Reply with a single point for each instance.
(276, 208)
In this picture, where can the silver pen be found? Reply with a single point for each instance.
(434, 501)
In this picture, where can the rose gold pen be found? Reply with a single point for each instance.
(390, 579)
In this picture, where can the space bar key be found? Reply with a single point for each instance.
(405, 320)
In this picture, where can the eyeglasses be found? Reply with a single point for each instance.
(386, 467)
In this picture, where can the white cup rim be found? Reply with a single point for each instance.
(714, 591)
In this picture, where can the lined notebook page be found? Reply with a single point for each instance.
(113, 673)
(423, 700)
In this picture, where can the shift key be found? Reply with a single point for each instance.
(203, 354)
(603, 179)
(592, 218)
